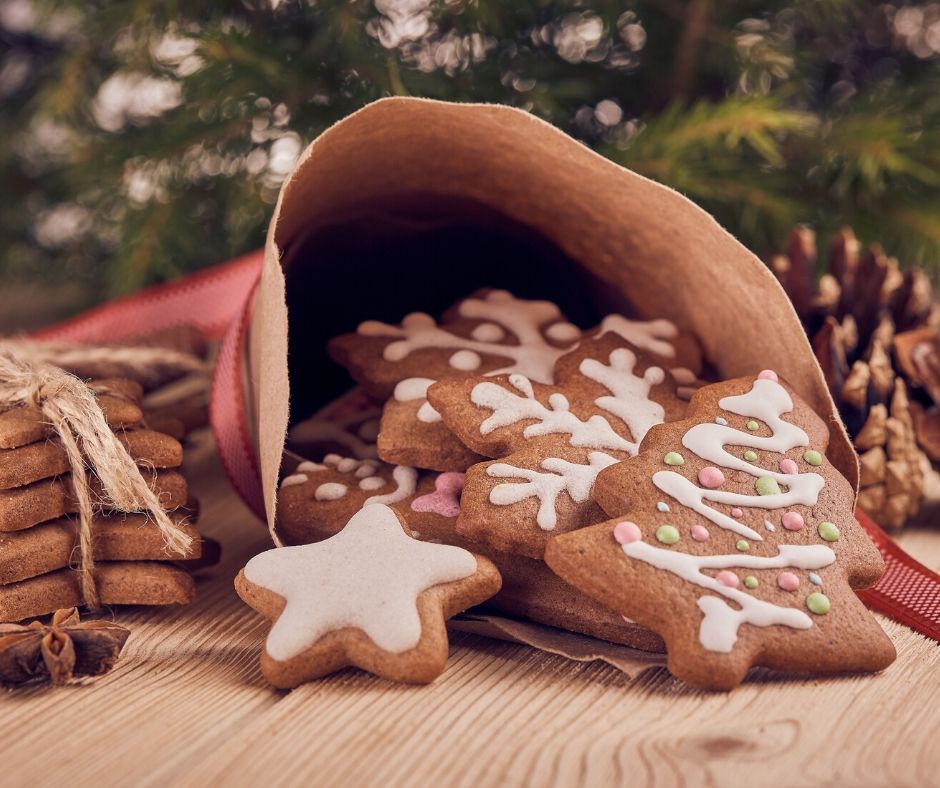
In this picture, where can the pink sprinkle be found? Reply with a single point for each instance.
(627, 532)
(788, 466)
(711, 477)
(788, 581)
(700, 533)
(727, 578)
(445, 500)
(768, 374)
(792, 521)
(736, 512)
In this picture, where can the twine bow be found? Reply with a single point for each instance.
(73, 411)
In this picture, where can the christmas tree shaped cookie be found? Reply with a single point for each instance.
(551, 440)
(490, 333)
(735, 540)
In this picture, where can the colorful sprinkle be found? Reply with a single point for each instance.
(742, 545)
(788, 581)
(768, 374)
(753, 426)
(792, 521)
(818, 603)
(736, 512)
(813, 457)
(829, 531)
(726, 578)
(667, 534)
(627, 532)
(815, 579)
(751, 582)
(788, 466)
(769, 526)
(711, 477)
(673, 458)
(662, 506)
(700, 533)
(767, 485)
(750, 456)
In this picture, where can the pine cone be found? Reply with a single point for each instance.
(874, 331)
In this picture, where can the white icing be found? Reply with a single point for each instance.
(560, 476)
(488, 332)
(563, 332)
(721, 621)
(296, 478)
(465, 360)
(652, 335)
(347, 465)
(372, 483)
(310, 467)
(406, 480)
(330, 491)
(411, 389)
(368, 577)
(532, 356)
(366, 469)
(768, 401)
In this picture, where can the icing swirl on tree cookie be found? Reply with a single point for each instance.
(768, 401)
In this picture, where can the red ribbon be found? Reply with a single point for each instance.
(218, 301)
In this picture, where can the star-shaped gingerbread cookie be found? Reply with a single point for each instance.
(734, 539)
(370, 596)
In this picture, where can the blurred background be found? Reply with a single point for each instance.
(141, 139)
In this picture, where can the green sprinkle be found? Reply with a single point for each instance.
(813, 457)
(750, 581)
(750, 456)
(742, 545)
(673, 458)
(829, 531)
(667, 534)
(818, 603)
(767, 485)
(753, 426)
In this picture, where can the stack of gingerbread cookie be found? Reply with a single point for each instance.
(39, 535)
(512, 434)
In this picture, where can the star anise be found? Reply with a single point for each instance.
(59, 650)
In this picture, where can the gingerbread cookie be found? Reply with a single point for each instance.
(50, 546)
(118, 583)
(45, 459)
(551, 441)
(35, 503)
(735, 540)
(369, 596)
(118, 398)
(348, 425)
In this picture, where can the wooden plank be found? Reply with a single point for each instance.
(187, 705)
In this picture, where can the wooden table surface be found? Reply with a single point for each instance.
(187, 705)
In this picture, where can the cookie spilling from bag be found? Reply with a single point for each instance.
(505, 438)
(41, 542)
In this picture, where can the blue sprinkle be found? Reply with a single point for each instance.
(769, 525)
(662, 506)
(815, 579)
(721, 421)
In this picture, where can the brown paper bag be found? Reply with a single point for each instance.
(411, 204)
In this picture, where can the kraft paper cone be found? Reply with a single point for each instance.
(411, 204)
